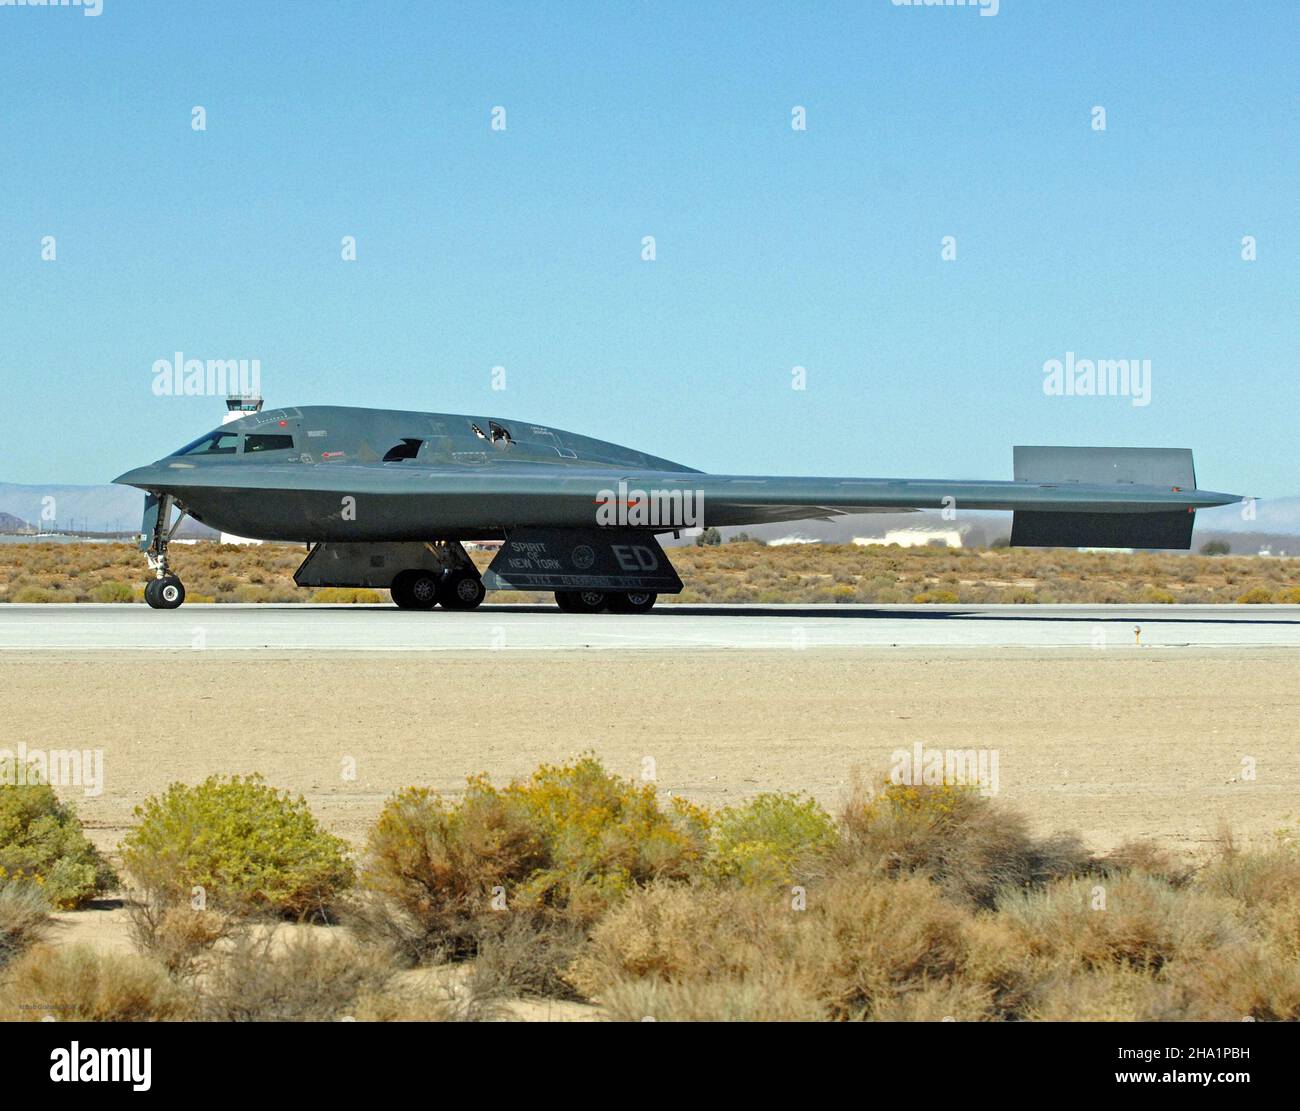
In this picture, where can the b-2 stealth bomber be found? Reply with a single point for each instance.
(385, 498)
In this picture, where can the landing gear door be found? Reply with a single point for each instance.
(150, 526)
(610, 560)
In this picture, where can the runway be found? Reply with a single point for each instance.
(108, 628)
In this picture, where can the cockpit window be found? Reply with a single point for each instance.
(267, 443)
(214, 443)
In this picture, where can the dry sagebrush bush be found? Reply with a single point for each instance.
(81, 984)
(251, 848)
(859, 943)
(179, 937)
(263, 977)
(24, 919)
(42, 842)
(756, 999)
(1129, 920)
(569, 841)
(971, 847)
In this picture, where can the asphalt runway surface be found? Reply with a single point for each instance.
(669, 627)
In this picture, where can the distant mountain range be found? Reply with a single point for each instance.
(79, 509)
(1276, 523)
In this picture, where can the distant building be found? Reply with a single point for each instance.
(914, 538)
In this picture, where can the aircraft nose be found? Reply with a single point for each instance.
(145, 478)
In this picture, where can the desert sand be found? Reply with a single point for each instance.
(1174, 745)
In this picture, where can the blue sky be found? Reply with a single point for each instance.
(775, 248)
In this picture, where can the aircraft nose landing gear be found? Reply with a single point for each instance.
(164, 591)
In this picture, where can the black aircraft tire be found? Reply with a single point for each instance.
(165, 594)
(461, 591)
(635, 601)
(415, 590)
(581, 601)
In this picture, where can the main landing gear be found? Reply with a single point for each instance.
(598, 601)
(164, 591)
(459, 589)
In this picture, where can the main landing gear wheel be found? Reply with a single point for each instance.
(461, 591)
(636, 601)
(581, 601)
(415, 590)
(166, 593)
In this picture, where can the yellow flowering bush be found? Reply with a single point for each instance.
(769, 838)
(248, 846)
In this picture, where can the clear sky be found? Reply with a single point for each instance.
(775, 247)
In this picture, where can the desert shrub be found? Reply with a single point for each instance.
(943, 597)
(430, 867)
(348, 595)
(1245, 980)
(42, 842)
(1256, 595)
(602, 836)
(1264, 883)
(961, 839)
(265, 978)
(569, 840)
(24, 918)
(1120, 994)
(111, 592)
(1133, 921)
(877, 939)
(773, 998)
(1290, 596)
(250, 848)
(179, 937)
(859, 942)
(770, 838)
(1148, 859)
(680, 933)
(81, 984)
(526, 955)
(35, 594)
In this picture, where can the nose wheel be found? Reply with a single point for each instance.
(166, 593)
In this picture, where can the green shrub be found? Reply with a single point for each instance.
(250, 848)
(770, 838)
(1255, 596)
(42, 842)
(111, 592)
(35, 594)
